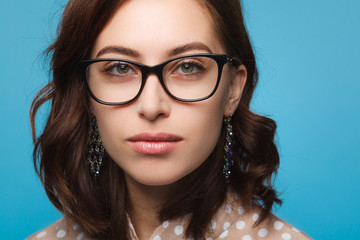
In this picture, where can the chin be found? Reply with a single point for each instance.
(157, 179)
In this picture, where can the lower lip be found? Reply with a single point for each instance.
(153, 148)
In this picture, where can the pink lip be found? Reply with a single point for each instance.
(154, 143)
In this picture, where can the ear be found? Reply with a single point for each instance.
(236, 87)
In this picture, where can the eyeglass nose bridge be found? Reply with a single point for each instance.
(158, 70)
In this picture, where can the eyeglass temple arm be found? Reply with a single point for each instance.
(235, 61)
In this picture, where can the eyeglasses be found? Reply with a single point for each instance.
(189, 78)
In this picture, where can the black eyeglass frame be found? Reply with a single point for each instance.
(220, 59)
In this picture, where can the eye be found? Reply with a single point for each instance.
(121, 68)
(188, 67)
(118, 68)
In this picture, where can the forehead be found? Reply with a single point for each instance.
(151, 27)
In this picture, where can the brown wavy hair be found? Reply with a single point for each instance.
(60, 151)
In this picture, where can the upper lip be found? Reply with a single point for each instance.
(155, 137)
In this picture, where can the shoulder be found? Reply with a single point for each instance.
(237, 222)
(272, 228)
(60, 230)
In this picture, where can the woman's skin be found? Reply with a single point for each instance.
(151, 32)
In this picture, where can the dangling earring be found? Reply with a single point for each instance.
(228, 149)
(95, 150)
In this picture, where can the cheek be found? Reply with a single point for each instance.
(207, 123)
(206, 135)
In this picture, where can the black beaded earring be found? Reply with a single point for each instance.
(229, 144)
(95, 150)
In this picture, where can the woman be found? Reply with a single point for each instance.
(152, 98)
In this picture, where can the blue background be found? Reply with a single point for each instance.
(308, 56)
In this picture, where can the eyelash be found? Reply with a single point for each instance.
(196, 64)
(108, 67)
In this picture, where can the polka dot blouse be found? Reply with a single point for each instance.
(231, 222)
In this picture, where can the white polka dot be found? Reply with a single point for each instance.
(255, 217)
(42, 234)
(61, 234)
(263, 232)
(286, 236)
(157, 237)
(178, 230)
(228, 209)
(226, 225)
(80, 236)
(76, 227)
(224, 234)
(165, 224)
(240, 225)
(241, 210)
(213, 224)
(278, 225)
(247, 237)
(209, 238)
(295, 229)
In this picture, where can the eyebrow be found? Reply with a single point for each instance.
(118, 49)
(188, 47)
(173, 52)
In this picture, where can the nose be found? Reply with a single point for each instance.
(153, 102)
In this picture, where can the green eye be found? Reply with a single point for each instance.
(187, 68)
(123, 69)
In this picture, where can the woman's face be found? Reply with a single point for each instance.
(155, 139)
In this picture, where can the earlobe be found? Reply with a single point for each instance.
(237, 84)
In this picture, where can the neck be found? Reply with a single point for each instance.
(145, 204)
